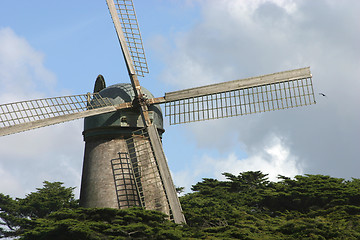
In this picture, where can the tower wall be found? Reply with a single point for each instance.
(98, 186)
(116, 178)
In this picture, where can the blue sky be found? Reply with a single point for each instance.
(58, 48)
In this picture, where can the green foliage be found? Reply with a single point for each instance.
(17, 214)
(312, 192)
(180, 189)
(246, 206)
(50, 198)
(103, 223)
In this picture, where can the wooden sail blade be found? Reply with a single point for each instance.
(169, 186)
(128, 32)
(155, 187)
(26, 115)
(239, 84)
(240, 97)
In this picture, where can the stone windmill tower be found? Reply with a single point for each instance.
(124, 162)
(114, 175)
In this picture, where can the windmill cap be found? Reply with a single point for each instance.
(122, 121)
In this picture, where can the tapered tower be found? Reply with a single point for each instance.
(118, 169)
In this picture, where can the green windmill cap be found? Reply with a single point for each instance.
(123, 121)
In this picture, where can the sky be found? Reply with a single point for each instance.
(59, 48)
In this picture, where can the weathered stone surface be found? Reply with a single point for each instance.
(97, 186)
(109, 180)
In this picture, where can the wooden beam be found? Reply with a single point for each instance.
(158, 100)
(55, 120)
(121, 37)
(165, 175)
(238, 84)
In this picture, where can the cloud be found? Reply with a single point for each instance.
(238, 39)
(29, 158)
(20, 65)
(275, 159)
(9, 185)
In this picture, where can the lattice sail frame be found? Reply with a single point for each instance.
(126, 12)
(124, 177)
(259, 98)
(148, 180)
(32, 110)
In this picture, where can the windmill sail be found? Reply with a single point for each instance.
(153, 179)
(165, 175)
(25, 115)
(240, 97)
(127, 28)
(144, 166)
(125, 22)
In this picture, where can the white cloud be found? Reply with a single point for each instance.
(22, 71)
(52, 153)
(184, 179)
(275, 159)
(9, 184)
(237, 39)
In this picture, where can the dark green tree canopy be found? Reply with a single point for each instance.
(244, 206)
(17, 214)
(248, 206)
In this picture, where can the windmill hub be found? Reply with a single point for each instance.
(137, 102)
(124, 121)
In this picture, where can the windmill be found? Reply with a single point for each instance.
(124, 163)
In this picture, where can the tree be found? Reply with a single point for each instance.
(103, 223)
(248, 206)
(245, 206)
(312, 192)
(17, 214)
